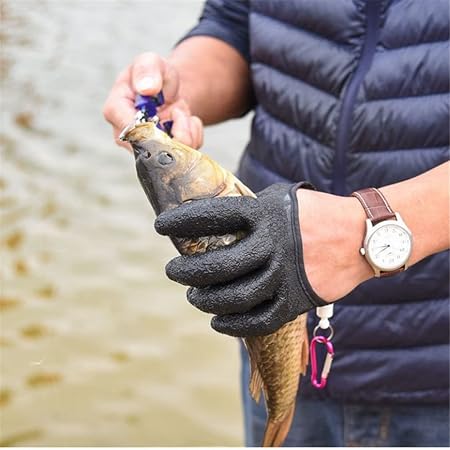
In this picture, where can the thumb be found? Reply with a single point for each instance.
(150, 74)
(147, 74)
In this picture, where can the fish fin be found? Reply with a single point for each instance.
(304, 352)
(276, 432)
(242, 188)
(256, 382)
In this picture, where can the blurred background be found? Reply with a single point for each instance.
(97, 347)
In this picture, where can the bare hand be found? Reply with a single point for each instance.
(148, 75)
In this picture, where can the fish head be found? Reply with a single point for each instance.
(170, 172)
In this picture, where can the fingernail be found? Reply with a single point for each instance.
(146, 84)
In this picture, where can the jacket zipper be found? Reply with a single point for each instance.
(373, 13)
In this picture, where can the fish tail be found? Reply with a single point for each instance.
(276, 432)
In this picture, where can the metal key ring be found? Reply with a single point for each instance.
(330, 336)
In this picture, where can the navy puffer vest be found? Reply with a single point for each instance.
(352, 94)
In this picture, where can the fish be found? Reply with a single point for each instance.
(172, 173)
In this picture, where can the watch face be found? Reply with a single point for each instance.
(389, 246)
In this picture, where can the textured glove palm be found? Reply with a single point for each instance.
(256, 285)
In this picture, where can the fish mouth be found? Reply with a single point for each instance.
(140, 151)
(145, 148)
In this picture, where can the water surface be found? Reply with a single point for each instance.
(97, 347)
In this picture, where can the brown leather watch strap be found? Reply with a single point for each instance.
(377, 209)
(375, 205)
(392, 272)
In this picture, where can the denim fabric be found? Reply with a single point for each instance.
(328, 423)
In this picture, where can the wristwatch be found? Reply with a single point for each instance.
(388, 241)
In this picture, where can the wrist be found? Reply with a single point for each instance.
(332, 231)
(354, 234)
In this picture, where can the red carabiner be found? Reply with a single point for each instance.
(327, 364)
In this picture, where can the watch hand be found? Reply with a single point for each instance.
(384, 248)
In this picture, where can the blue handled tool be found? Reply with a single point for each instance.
(146, 106)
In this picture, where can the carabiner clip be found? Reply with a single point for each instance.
(327, 364)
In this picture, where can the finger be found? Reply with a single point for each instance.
(150, 74)
(210, 216)
(237, 297)
(118, 109)
(165, 112)
(223, 264)
(121, 143)
(196, 132)
(181, 129)
(262, 320)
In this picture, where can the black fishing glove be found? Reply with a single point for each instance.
(257, 284)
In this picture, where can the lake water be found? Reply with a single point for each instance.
(97, 346)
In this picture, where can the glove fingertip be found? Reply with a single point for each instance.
(174, 272)
(161, 225)
(191, 295)
(195, 300)
(217, 325)
(221, 326)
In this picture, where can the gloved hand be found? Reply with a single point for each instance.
(257, 284)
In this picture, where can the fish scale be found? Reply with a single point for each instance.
(280, 391)
(278, 359)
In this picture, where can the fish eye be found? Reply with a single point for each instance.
(165, 158)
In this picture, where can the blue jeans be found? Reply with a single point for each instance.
(329, 423)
